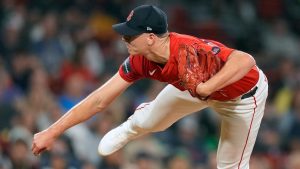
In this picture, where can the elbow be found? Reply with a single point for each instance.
(250, 61)
(246, 60)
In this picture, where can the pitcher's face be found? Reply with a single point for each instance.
(139, 44)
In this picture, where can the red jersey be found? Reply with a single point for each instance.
(137, 66)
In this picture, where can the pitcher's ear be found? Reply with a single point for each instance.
(151, 39)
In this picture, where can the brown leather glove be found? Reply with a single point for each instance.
(195, 65)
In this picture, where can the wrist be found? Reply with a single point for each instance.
(203, 90)
(53, 132)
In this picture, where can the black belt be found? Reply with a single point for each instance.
(250, 93)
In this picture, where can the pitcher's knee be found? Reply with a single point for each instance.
(134, 128)
(143, 120)
(139, 120)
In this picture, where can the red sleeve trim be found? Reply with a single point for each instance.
(125, 78)
(225, 52)
(127, 70)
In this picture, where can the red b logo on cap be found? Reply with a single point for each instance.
(129, 16)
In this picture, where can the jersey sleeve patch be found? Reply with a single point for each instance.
(215, 50)
(126, 66)
(128, 71)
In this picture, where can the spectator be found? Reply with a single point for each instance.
(20, 156)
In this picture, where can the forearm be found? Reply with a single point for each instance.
(79, 113)
(236, 67)
(95, 102)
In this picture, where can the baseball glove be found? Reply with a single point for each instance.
(196, 65)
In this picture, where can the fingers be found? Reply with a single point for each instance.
(203, 60)
(182, 62)
(192, 56)
(36, 150)
(182, 54)
(201, 52)
(40, 151)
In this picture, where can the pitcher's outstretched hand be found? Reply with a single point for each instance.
(42, 141)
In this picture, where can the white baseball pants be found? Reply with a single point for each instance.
(240, 119)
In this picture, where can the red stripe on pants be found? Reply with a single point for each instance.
(248, 131)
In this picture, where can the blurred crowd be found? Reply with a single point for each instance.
(54, 53)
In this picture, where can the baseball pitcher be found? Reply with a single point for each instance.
(200, 73)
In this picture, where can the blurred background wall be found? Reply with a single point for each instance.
(53, 53)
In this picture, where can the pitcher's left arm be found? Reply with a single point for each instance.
(236, 67)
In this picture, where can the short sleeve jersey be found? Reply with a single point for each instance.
(136, 67)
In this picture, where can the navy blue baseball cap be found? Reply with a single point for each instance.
(143, 19)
